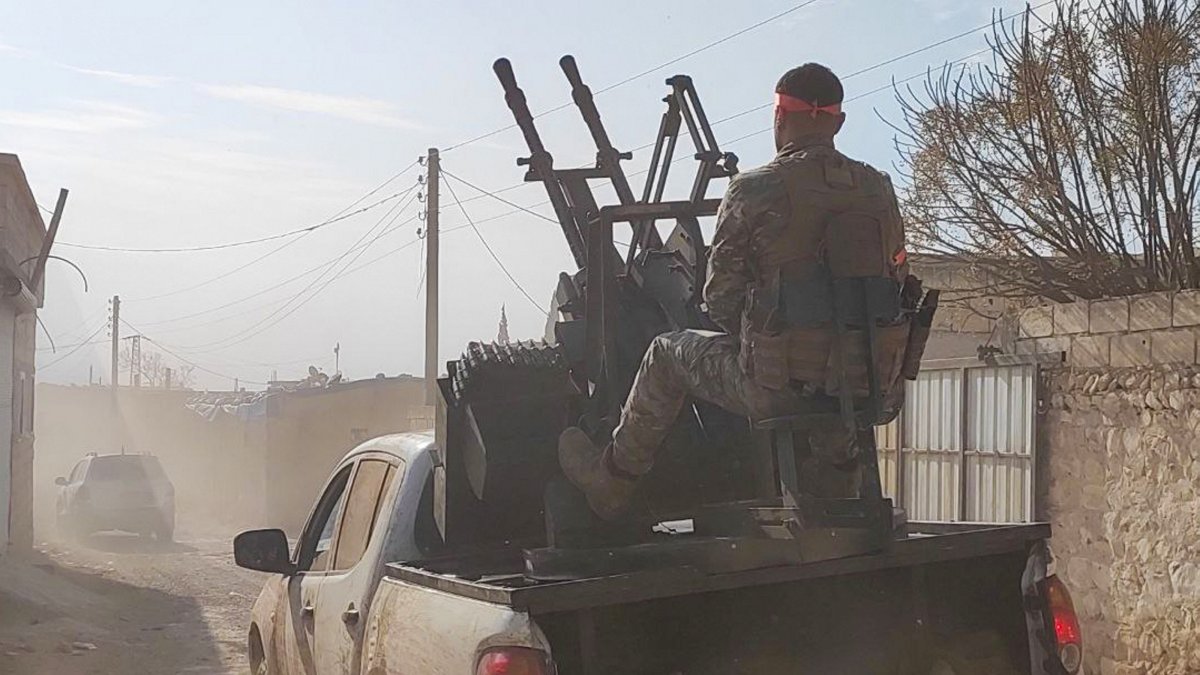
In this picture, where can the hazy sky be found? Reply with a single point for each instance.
(194, 124)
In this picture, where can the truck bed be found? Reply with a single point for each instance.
(497, 576)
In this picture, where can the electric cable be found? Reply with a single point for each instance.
(491, 252)
(343, 215)
(648, 71)
(77, 347)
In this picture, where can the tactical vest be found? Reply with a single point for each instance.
(842, 223)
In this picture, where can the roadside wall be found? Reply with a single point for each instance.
(309, 431)
(1140, 330)
(232, 471)
(1124, 501)
(1121, 439)
(216, 466)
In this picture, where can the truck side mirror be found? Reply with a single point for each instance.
(60, 481)
(263, 551)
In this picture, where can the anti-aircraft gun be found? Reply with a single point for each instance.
(503, 406)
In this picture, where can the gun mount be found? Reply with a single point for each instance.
(504, 406)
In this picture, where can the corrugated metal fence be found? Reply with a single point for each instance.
(963, 449)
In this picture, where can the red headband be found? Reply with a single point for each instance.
(786, 103)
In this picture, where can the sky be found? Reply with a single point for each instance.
(194, 125)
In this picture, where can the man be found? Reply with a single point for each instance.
(770, 242)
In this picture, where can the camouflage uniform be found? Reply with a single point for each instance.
(711, 366)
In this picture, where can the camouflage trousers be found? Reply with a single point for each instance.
(704, 365)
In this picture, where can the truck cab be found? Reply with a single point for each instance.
(376, 507)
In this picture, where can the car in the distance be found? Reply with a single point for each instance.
(128, 492)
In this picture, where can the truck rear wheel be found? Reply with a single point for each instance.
(981, 653)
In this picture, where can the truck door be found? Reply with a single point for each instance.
(349, 583)
(314, 555)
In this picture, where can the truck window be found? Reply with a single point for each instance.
(123, 468)
(77, 472)
(317, 542)
(371, 483)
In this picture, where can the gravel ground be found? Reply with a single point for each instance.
(118, 603)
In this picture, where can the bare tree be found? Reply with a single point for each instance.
(153, 369)
(1068, 166)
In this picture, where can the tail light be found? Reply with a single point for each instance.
(1067, 636)
(514, 661)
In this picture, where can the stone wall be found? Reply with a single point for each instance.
(1139, 330)
(1122, 476)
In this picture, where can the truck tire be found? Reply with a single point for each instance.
(980, 653)
(488, 371)
(164, 532)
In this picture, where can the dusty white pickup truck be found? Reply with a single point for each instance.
(370, 589)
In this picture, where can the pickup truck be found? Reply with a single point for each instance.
(371, 589)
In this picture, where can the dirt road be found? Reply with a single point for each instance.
(123, 604)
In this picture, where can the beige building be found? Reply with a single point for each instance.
(21, 234)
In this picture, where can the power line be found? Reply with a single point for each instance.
(235, 244)
(189, 362)
(285, 282)
(223, 275)
(492, 253)
(285, 311)
(278, 248)
(343, 215)
(79, 346)
(861, 71)
(886, 87)
(648, 71)
(498, 198)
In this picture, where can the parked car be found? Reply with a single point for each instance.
(116, 492)
(371, 589)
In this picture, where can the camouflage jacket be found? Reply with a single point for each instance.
(755, 210)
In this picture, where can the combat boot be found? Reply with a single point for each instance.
(589, 469)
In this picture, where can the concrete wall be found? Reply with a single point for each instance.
(973, 311)
(24, 399)
(1123, 481)
(21, 234)
(309, 431)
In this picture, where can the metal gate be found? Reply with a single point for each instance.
(963, 448)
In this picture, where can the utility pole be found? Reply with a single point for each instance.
(116, 339)
(135, 361)
(167, 379)
(431, 277)
(337, 358)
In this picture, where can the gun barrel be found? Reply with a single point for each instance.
(541, 163)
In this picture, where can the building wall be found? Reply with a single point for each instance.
(21, 235)
(23, 404)
(7, 320)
